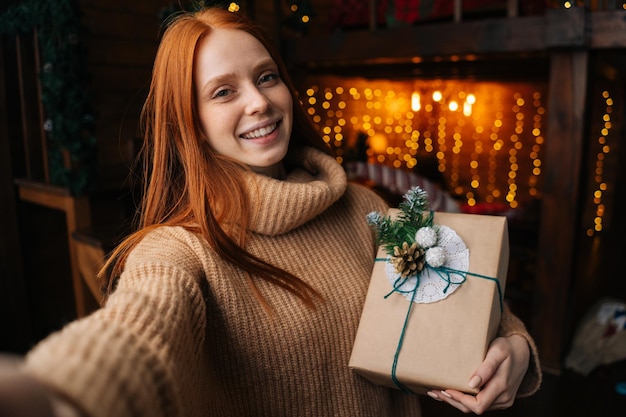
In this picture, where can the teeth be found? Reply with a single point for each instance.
(260, 132)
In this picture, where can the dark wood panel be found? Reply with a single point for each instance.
(121, 81)
(120, 24)
(14, 314)
(122, 52)
(147, 7)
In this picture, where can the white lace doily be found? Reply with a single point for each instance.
(432, 285)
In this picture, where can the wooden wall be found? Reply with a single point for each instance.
(121, 40)
(36, 294)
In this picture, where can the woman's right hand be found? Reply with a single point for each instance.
(23, 396)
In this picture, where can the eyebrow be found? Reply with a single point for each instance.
(223, 78)
(220, 79)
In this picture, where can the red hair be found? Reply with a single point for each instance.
(185, 182)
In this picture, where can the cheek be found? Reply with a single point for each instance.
(288, 102)
(281, 98)
(204, 116)
(215, 124)
(209, 135)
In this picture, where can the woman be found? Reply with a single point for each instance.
(241, 292)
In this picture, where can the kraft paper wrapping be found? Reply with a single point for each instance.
(445, 341)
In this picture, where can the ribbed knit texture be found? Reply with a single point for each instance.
(184, 336)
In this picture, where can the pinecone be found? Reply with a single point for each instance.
(408, 260)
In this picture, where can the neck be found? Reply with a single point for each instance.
(276, 171)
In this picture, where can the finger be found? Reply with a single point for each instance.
(452, 397)
(496, 354)
(477, 404)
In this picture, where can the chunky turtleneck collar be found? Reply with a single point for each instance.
(314, 183)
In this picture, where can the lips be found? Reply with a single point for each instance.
(258, 133)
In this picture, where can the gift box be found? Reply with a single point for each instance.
(435, 345)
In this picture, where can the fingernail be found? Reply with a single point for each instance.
(446, 394)
(433, 395)
(475, 381)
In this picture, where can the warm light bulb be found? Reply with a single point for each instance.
(416, 104)
(378, 143)
(467, 108)
(437, 96)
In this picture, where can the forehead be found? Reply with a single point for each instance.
(230, 48)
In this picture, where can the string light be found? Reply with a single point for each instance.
(600, 184)
(486, 138)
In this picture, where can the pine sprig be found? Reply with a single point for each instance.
(388, 230)
(413, 205)
(393, 232)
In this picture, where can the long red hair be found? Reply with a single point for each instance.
(185, 183)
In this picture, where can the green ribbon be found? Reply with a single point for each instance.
(444, 273)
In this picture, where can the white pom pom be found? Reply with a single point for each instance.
(436, 256)
(426, 237)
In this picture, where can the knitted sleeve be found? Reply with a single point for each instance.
(512, 325)
(131, 357)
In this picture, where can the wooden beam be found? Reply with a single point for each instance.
(566, 28)
(608, 29)
(557, 29)
(559, 203)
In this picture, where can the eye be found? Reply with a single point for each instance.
(223, 92)
(269, 79)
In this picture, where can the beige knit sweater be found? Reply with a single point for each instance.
(184, 336)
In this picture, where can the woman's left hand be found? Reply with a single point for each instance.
(498, 377)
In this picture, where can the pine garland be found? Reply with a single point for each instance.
(69, 123)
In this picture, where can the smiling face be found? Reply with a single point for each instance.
(245, 109)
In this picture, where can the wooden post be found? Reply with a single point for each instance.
(458, 10)
(15, 320)
(33, 135)
(559, 207)
(373, 14)
(512, 8)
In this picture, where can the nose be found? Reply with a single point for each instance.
(257, 102)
